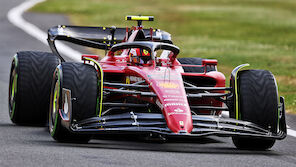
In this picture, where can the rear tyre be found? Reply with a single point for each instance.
(194, 61)
(29, 87)
(258, 103)
(82, 80)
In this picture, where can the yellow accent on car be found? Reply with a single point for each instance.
(127, 80)
(139, 18)
(102, 84)
(145, 52)
(168, 85)
(236, 91)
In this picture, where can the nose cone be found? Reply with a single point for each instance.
(168, 85)
(173, 101)
(178, 118)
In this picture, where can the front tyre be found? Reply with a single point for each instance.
(258, 103)
(29, 87)
(82, 81)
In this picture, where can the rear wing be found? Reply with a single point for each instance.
(98, 37)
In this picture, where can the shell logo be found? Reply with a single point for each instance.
(168, 85)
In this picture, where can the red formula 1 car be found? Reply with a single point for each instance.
(140, 87)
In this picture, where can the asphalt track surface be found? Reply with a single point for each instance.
(33, 146)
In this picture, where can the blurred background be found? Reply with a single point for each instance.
(259, 32)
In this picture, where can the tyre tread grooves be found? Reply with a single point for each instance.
(35, 71)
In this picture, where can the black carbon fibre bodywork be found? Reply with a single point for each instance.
(97, 37)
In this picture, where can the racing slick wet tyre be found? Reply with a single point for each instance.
(194, 61)
(29, 87)
(82, 81)
(258, 103)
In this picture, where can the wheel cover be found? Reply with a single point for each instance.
(53, 114)
(12, 89)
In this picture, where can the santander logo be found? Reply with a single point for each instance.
(178, 110)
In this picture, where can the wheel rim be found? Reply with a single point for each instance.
(12, 89)
(53, 115)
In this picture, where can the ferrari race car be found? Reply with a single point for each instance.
(141, 88)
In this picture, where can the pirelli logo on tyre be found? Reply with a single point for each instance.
(168, 85)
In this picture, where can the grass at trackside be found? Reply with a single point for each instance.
(259, 32)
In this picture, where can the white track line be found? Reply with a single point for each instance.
(291, 132)
(15, 17)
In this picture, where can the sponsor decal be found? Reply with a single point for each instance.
(182, 100)
(181, 123)
(135, 79)
(174, 104)
(121, 61)
(178, 111)
(162, 76)
(168, 85)
(130, 79)
(172, 91)
(145, 52)
(172, 96)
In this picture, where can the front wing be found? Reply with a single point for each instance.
(150, 123)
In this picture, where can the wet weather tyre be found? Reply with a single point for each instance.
(29, 87)
(258, 103)
(82, 81)
(194, 61)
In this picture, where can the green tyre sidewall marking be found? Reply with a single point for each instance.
(237, 113)
(14, 87)
(56, 95)
(13, 92)
(99, 107)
